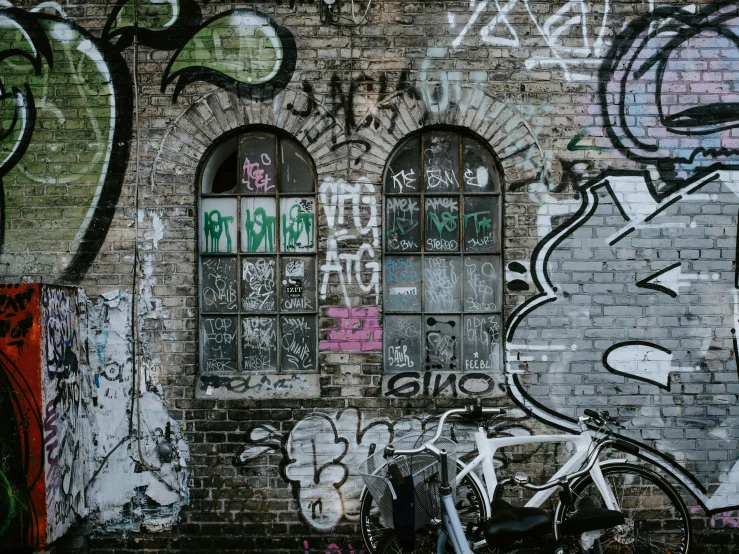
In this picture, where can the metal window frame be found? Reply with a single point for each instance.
(239, 314)
(460, 254)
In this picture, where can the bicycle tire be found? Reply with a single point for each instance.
(662, 520)
(470, 501)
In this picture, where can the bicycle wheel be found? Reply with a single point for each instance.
(657, 520)
(469, 501)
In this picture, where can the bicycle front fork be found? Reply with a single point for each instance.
(451, 528)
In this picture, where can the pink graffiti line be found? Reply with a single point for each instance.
(359, 330)
(252, 171)
(334, 548)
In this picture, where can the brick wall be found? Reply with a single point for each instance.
(618, 226)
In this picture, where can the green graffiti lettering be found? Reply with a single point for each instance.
(295, 224)
(215, 225)
(447, 222)
(481, 225)
(264, 234)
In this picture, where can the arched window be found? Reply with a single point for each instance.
(257, 250)
(442, 255)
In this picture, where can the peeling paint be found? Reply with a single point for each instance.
(121, 495)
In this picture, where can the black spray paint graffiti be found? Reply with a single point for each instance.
(35, 56)
(12, 303)
(657, 336)
(343, 107)
(165, 25)
(321, 454)
(266, 55)
(412, 383)
(649, 80)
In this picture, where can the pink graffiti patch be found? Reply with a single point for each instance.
(359, 330)
(718, 521)
(334, 548)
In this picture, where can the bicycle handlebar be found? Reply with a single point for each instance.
(473, 410)
(601, 418)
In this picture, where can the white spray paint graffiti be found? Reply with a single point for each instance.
(323, 452)
(659, 320)
(575, 18)
(351, 267)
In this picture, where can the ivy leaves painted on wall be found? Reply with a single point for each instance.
(65, 130)
(66, 107)
(240, 50)
(162, 24)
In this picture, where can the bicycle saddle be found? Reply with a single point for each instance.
(510, 523)
(589, 517)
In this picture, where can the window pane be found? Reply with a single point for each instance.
(442, 224)
(481, 224)
(219, 343)
(296, 169)
(442, 284)
(402, 173)
(481, 343)
(225, 180)
(441, 161)
(219, 175)
(403, 283)
(403, 343)
(218, 225)
(482, 284)
(298, 216)
(480, 174)
(442, 342)
(258, 225)
(256, 163)
(259, 343)
(218, 284)
(298, 342)
(258, 293)
(298, 284)
(402, 220)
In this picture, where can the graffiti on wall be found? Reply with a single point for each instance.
(38, 53)
(63, 441)
(239, 50)
(573, 34)
(41, 458)
(665, 320)
(161, 24)
(636, 292)
(692, 137)
(22, 494)
(38, 50)
(344, 262)
(358, 330)
(322, 452)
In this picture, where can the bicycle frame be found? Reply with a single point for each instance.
(487, 447)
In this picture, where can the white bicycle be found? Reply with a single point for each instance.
(605, 506)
